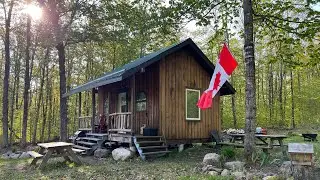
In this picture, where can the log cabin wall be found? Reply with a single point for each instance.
(179, 71)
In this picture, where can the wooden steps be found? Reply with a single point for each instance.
(87, 145)
(156, 152)
(78, 150)
(149, 146)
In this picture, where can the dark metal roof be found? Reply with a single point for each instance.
(134, 66)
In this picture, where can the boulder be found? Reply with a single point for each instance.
(296, 171)
(234, 165)
(209, 167)
(14, 156)
(213, 173)
(101, 153)
(238, 175)
(211, 158)
(24, 155)
(225, 172)
(121, 154)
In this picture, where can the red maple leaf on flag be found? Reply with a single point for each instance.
(217, 81)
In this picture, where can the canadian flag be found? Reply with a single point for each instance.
(224, 68)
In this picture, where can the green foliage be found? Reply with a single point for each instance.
(227, 153)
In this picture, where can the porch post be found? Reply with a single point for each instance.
(79, 113)
(133, 99)
(93, 109)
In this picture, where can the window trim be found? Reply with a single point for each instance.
(186, 104)
(136, 101)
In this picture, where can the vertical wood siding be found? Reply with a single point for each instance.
(179, 71)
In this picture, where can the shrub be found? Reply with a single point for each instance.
(228, 152)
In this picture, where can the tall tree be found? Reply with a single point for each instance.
(249, 141)
(26, 84)
(60, 15)
(5, 94)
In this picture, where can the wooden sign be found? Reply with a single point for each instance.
(301, 154)
(300, 148)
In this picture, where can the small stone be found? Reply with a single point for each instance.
(101, 153)
(270, 178)
(24, 155)
(225, 172)
(180, 147)
(213, 173)
(239, 175)
(235, 165)
(211, 158)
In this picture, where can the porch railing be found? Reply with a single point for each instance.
(85, 122)
(120, 122)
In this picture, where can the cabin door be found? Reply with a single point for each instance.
(122, 102)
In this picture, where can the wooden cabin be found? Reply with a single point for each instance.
(158, 93)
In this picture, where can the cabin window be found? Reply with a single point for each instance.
(141, 101)
(122, 102)
(192, 111)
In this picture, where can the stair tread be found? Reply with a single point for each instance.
(91, 139)
(86, 143)
(156, 152)
(96, 134)
(153, 147)
(81, 147)
(144, 142)
(148, 137)
(78, 150)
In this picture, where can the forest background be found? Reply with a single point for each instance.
(42, 56)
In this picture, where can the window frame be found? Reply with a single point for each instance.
(186, 104)
(141, 101)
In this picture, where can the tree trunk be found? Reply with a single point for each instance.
(45, 104)
(5, 98)
(26, 85)
(63, 100)
(13, 93)
(35, 126)
(249, 142)
(270, 93)
(293, 124)
(281, 123)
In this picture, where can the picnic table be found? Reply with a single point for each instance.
(54, 149)
(264, 141)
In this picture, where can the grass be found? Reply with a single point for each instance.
(185, 166)
(175, 166)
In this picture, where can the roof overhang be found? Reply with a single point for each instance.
(131, 68)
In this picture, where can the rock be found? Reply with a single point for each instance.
(225, 172)
(31, 148)
(121, 154)
(101, 153)
(270, 178)
(239, 175)
(211, 168)
(213, 173)
(296, 171)
(211, 158)
(14, 156)
(180, 147)
(133, 149)
(234, 165)
(24, 155)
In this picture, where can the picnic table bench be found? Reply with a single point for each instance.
(54, 149)
(237, 140)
